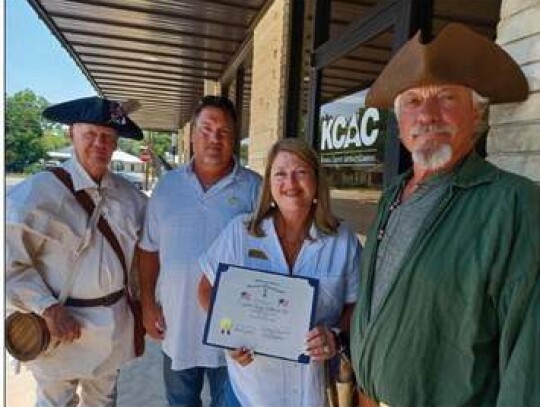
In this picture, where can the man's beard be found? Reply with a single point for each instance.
(433, 155)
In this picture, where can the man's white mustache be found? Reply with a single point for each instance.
(421, 130)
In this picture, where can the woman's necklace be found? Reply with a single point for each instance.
(291, 247)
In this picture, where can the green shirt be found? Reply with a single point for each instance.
(460, 325)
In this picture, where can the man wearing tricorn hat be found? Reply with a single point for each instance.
(61, 266)
(450, 299)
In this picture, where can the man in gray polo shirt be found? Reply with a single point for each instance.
(188, 209)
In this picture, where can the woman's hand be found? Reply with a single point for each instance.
(243, 356)
(320, 343)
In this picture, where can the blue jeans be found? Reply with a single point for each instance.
(183, 387)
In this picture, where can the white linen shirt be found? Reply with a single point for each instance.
(49, 236)
(334, 260)
(181, 222)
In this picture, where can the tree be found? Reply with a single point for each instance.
(161, 142)
(24, 129)
(53, 139)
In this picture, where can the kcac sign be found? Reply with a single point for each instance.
(340, 133)
(353, 140)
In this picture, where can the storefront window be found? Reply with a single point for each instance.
(352, 137)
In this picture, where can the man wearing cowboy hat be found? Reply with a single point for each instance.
(55, 249)
(450, 299)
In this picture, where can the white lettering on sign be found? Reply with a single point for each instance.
(326, 142)
(353, 133)
(369, 138)
(339, 124)
(337, 133)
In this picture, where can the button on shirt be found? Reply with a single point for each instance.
(49, 237)
(334, 260)
(182, 221)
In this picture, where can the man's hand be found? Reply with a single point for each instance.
(153, 320)
(61, 324)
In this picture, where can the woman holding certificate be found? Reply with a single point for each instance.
(291, 232)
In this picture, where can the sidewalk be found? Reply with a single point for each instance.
(357, 207)
(140, 383)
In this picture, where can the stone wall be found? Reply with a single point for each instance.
(269, 82)
(514, 139)
(186, 142)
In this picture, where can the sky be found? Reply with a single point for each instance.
(35, 59)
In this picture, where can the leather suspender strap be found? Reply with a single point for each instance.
(88, 205)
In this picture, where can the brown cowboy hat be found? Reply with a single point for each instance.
(458, 56)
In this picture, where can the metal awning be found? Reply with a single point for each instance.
(161, 51)
(156, 51)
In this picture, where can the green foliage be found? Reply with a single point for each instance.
(161, 142)
(33, 168)
(130, 146)
(24, 130)
(28, 136)
(244, 151)
(53, 140)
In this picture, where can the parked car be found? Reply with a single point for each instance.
(52, 163)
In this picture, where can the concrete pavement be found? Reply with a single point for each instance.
(140, 383)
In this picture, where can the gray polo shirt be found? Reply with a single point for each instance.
(403, 225)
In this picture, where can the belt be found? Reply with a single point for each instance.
(105, 301)
(366, 401)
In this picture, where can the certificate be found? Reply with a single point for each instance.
(267, 312)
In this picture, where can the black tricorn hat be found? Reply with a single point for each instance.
(456, 56)
(95, 110)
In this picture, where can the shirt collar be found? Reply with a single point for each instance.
(232, 174)
(475, 171)
(268, 226)
(471, 171)
(81, 178)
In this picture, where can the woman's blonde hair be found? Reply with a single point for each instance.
(320, 214)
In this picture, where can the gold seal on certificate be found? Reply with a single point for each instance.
(267, 312)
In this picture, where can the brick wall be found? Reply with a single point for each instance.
(268, 93)
(514, 139)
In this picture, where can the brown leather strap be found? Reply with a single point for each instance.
(105, 301)
(88, 205)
